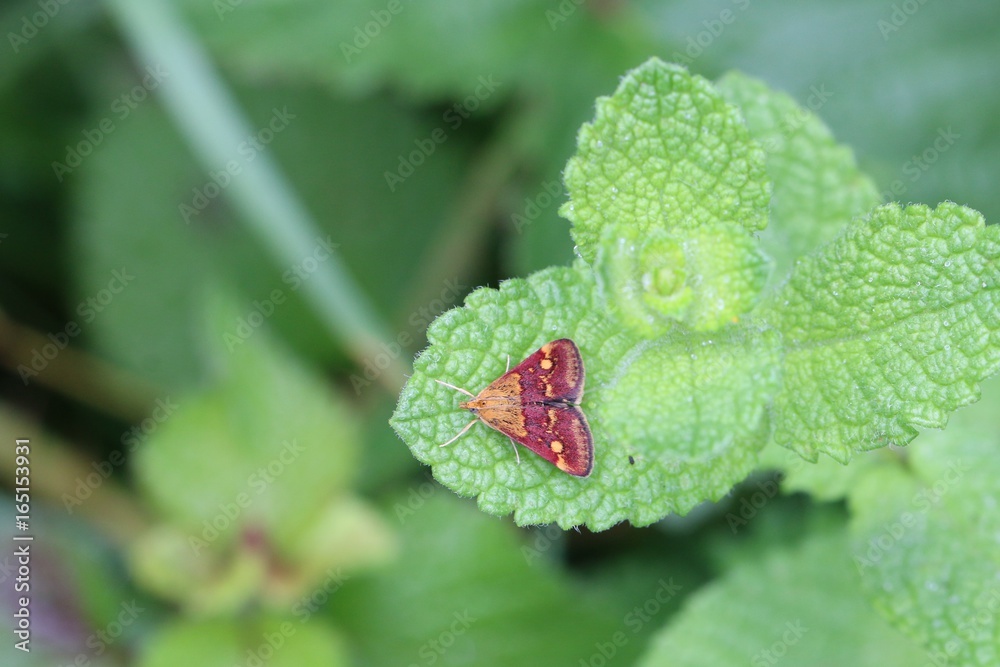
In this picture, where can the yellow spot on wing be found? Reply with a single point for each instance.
(546, 364)
(556, 446)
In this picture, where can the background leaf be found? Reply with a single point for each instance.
(492, 586)
(818, 187)
(801, 604)
(922, 539)
(912, 95)
(277, 641)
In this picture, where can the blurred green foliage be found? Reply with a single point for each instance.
(351, 555)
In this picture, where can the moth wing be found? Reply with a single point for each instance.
(532, 405)
(561, 436)
(551, 374)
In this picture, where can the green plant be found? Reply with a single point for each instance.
(879, 319)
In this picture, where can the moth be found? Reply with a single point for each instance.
(536, 404)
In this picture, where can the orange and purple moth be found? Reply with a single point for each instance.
(536, 404)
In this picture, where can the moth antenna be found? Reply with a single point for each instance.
(516, 455)
(464, 391)
(508, 364)
(460, 433)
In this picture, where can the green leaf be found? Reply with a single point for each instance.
(429, 51)
(801, 605)
(484, 596)
(151, 326)
(665, 190)
(665, 151)
(147, 327)
(259, 463)
(704, 277)
(265, 422)
(818, 188)
(886, 328)
(587, 55)
(889, 327)
(715, 387)
(274, 641)
(925, 539)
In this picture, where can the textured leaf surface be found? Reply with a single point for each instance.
(889, 327)
(797, 606)
(884, 329)
(714, 387)
(925, 539)
(664, 151)
(818, 188)
(703, 278)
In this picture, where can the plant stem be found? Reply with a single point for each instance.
(76, 374)
(206, 113)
